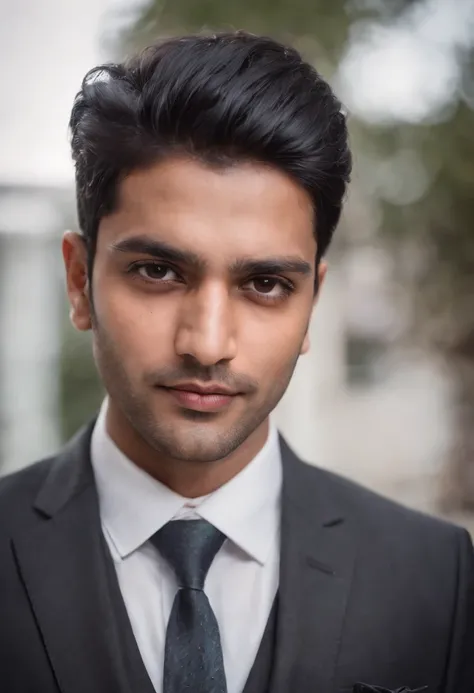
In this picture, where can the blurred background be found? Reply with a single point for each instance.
(386, 395)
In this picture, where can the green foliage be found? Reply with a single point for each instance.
(439, 224)
(279, 18)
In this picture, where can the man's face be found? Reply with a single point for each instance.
(203, 288)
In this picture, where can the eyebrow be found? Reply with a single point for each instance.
(274, 265)
(159, 250)
(164, 251)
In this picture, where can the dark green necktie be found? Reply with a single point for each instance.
(193, 652)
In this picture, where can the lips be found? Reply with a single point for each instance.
(201, 389)
(208, 398)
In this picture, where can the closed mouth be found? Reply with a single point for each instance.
(203, 390)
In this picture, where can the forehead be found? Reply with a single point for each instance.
(244, 209)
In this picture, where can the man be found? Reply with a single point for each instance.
(177, 543)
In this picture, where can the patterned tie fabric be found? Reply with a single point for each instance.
(193, 652)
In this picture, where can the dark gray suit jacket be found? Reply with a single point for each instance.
(369, 591)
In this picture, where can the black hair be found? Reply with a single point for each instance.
(221, 98)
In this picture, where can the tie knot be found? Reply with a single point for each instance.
(189, 546)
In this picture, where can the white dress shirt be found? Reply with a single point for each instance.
(243, 579)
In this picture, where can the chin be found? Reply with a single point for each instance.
(199, 454)
(201, 445)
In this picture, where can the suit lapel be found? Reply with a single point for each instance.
(62, 564)
(317, 561)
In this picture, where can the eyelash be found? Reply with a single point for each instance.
(286, 285)
(134, 270)
(287, 288)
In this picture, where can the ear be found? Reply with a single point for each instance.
(322, 271)
(75, 261)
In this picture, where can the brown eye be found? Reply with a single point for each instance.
(156, 272)
(264, 285)
(268, 288)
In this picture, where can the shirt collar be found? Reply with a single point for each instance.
(133, 505)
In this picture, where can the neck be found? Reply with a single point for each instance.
(185, 477)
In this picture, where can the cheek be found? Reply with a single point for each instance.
(271, 346)
(138, 328)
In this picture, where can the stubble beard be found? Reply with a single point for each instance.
(198, 437)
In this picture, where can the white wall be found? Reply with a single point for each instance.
(46, 47)
(392, 436)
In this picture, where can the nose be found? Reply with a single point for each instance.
(206, 329)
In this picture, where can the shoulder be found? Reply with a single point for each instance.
(381, 521)
(400, 551)
(48, 483)
(19, 490)
(25, 481)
